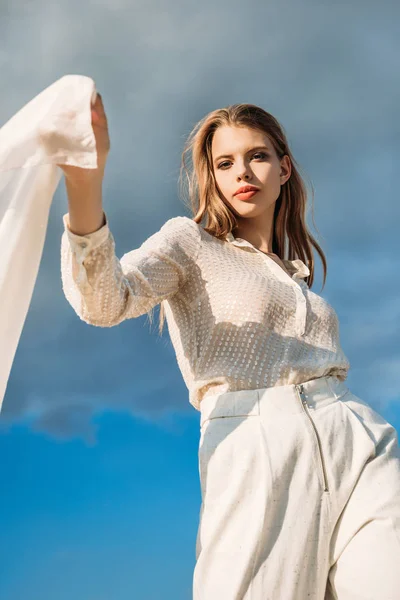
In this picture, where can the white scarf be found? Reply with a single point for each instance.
(54, 127)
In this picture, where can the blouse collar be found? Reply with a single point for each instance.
(297, 267)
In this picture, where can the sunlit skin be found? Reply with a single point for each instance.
(260, 167)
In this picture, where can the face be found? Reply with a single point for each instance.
(248, 157)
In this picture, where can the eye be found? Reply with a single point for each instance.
(260, 153)
(263, 154)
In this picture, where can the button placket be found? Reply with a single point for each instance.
(301, 306)
(301, 312)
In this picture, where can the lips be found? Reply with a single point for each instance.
(246, 195)
(246, 188)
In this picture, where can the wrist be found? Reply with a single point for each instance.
(81, 177)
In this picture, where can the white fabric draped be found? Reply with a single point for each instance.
(53, 128)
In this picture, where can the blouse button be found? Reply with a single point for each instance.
(83, 244)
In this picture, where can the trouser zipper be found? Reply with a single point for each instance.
(303, 400)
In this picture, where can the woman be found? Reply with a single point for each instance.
(300, 478)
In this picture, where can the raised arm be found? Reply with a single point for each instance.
(102, 289)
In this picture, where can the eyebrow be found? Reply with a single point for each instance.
(231, 155)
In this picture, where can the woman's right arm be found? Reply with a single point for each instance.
(102, 289)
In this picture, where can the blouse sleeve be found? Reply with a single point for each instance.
(104, 291)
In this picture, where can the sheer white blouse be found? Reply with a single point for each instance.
(236, 319)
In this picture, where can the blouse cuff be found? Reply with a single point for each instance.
(88, 241)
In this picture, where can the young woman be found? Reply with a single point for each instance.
(300, 478)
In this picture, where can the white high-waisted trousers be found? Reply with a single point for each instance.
(300, 496)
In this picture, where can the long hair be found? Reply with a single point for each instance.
(291, 238)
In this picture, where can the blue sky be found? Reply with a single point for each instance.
(100, 494)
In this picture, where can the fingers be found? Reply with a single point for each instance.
(99, 102)
(98, 112)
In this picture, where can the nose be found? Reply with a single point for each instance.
(243, 173)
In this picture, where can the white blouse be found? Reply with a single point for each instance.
(236, 319)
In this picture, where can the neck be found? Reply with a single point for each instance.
(257, 231)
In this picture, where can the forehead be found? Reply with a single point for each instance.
(235, 139)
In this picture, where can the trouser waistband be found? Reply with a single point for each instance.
(316, 393)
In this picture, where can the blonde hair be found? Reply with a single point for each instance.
(291, 238)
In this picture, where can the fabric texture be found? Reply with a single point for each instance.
(53, 128)
(236, 319)
(300, 491)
